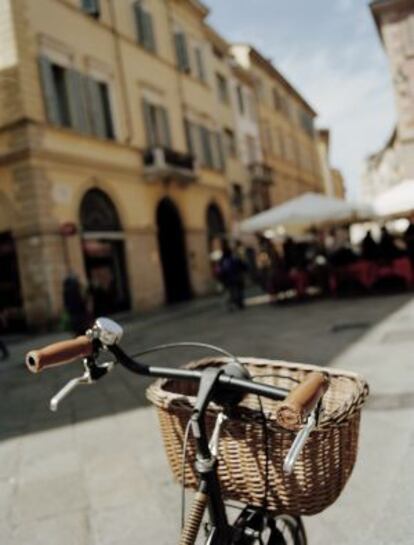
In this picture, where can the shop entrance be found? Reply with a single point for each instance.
(104, 253)
(173, 255)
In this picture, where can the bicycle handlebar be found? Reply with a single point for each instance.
(59, 353)
(292, 411)
(301, 401)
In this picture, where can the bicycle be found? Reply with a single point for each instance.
(226, 386)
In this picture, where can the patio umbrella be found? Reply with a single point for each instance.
(309, 208)
(396, 200)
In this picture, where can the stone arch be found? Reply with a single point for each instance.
(172, 251)
(103, 244)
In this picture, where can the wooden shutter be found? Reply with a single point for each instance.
(164, 126)
(77, 101)
(206, 143)
(183, 61)
(144, 24)
(149, 127)
(200, 64)
(49, 91)
(149, 38)
(96, 108)
(189, 137)
(219, 144)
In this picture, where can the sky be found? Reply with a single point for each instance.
(331, 52)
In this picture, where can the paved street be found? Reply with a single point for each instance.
(95, 472)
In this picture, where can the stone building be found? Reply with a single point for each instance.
(129, 141)
(290, 162)
(100, 119)
(395, 163)
(333, 181)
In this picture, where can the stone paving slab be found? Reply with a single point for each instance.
(95, 473)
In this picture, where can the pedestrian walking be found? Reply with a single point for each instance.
(231, 274)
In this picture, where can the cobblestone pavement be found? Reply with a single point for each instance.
(95, 473)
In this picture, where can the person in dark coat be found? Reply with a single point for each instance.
(231, 269)
(387, 248)
(369, 248)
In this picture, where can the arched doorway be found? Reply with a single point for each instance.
(216, 227)
(104, 253)
(171, 243)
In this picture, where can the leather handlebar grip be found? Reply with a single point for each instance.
(59, 353)
(293, 411)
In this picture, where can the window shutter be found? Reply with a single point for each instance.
(77, 101)
(149, 128)
(219, 140)
(91, 7)
(189, 137)
(149, 38)
(165, 127)
(96, 108)
(139, 22)
(49, 91)
(183, 61)
(200, 64)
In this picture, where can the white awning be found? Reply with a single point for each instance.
(396, 200)
(309, 208)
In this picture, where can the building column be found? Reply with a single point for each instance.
(199, 266)
(144, 269)
(39, 246)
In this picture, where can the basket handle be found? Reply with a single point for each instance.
(294, 410)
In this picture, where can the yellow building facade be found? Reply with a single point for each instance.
(290, 164)
(131, 136)
(98, 119)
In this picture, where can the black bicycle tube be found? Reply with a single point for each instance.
(241, 385)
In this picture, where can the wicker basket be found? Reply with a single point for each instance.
(322, 469)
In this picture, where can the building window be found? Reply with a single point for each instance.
(144, 25)
(59, 79)
(205, 145)
(251, 149)
(199, 63)
(267, 139)
(237, 197)
(230, 143)
(181, 50)
(76, 101)
(240, 99)
(222, 89)
(91, 7)
(260, 196)
(306, 122)
(156, 125)
(276, 99)
(105, 113)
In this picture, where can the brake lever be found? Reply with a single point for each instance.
(92, 373)
(299, 443)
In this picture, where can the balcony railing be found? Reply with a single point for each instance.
(167, 164)
(261, 172)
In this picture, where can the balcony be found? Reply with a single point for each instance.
(260, 172)
(166, 164)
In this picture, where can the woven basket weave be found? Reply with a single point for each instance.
(322, 469)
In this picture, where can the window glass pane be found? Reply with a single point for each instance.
(181, 50)
(222, 88)
(91, 7)
(240, 98)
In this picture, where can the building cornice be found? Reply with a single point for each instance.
(378, 7)
(258, 59)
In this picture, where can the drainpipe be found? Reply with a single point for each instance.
(122, 77)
